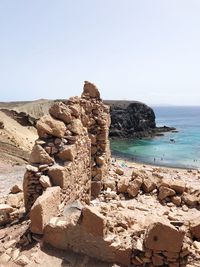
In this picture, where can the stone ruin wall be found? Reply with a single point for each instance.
(72, 150)
(70, 161)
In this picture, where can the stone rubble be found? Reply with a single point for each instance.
(75, 198)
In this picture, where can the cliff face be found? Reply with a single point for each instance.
(131, 119)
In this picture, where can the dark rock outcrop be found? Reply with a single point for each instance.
(133, 120)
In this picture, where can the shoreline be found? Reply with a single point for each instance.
(120, 157)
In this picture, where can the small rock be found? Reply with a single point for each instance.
(16, 189)
(22, 260)
(9, 244)
(119, 171)
(15, 254)
(31, 168)
(165, 192)
(4, 258)
(45, 181)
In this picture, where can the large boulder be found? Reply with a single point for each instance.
(45, 207)
(49, 126)
(163, 236)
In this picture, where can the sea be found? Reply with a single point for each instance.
(179, 149)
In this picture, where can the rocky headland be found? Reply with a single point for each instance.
(133, 119)
(76, 199)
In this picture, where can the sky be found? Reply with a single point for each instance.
(145, 50)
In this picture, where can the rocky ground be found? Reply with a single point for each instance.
(138, 208)
(76, 197)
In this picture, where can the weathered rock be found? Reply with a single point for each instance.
(15, 200)
(176, 200)
(61, 111)
(68, 153)
(6, 208)
(90, 90)
(177, 185)
(40, 156)
(163, 236)
(195, 227)
(49, 126)
(93, 222)
(122, 185)
(44, 208)
(119, 171)
(134, 187)
(148, 185)
(45, 181)
(75, 126)
(1, 125)
(16, 189)
(58, 175)
(4, 258)
(165, 192)
(190, 200)
(22, 260)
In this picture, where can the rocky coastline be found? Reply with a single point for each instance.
(133, 119)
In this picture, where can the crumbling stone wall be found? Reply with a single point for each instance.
(72, 150)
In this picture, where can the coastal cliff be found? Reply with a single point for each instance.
(133, 119)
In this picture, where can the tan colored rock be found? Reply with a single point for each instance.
(45, 181)
(93, 221)
(95, 188)
(165, 192)
(119, 171)
(22, 260)
(61, 111)
(75, 126)
(40, 156)
(195, 227)
(122, 185)
(157, 260)
(58, 175)
(49, 126)
(100, 160)
(6, 208)
(15, 200)
(90, 90)
(4, 258)
(190, 200)
(163, 236)
(148, 185)
(176, 200)
(16, 189)
(178, 186)
(134, 187)
(45, 207)
(68, 153)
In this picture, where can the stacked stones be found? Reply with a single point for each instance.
(62, 154)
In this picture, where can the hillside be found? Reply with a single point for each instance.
(16, 140)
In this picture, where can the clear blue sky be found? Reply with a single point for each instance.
(147, 50)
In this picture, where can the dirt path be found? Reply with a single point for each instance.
(9, 176)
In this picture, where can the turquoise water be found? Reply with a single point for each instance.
(185, 152)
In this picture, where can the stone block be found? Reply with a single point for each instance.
(45, 207)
